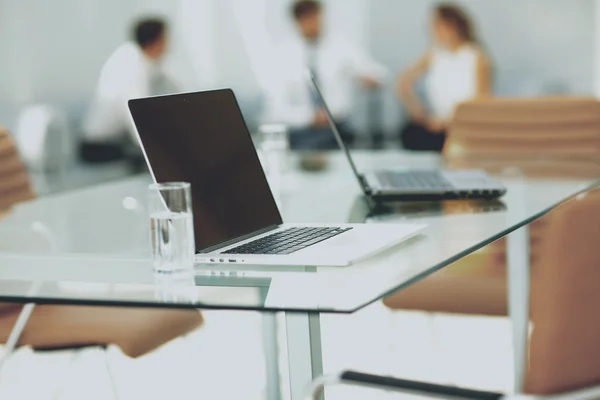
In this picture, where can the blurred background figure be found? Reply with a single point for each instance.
(456, 70)
(133, 70)
(336, 64)
(231, 43)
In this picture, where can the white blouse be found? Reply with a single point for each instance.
(451, 79)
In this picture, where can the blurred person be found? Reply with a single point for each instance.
(456, 70)
(133, 70)
(337, 64)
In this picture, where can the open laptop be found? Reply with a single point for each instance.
(202, 138)
(415, 185)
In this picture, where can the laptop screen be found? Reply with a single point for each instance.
(202, 138)
(330, 119)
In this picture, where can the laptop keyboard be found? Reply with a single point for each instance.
(287, 241)
(415, 180)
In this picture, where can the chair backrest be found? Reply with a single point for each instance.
(15, 185)
(43, 138)
(564, 348)
(554, 136)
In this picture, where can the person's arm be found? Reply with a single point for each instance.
(484, 76)
(405, 88)
(355, 66)
(369, 72)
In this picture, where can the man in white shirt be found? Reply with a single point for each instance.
(337, 64)
(133, 70)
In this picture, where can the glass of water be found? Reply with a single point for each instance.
(275, 147)
(172, 227)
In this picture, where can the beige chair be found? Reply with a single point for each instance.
(564, 356)
(135, 331)
(43, 138)
(543, 137)
(15, 185)
(556, 136)
(475, 285)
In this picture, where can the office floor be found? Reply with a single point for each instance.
(224, 359)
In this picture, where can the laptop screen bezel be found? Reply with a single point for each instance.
(268, 225)
(336, 133)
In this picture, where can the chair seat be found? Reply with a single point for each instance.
(136, 331)
(456, 294)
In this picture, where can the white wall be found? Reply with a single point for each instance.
(52, 51)
(348, 17)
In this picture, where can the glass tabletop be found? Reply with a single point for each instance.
(92, 246)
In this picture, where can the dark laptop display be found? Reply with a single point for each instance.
(189, 137)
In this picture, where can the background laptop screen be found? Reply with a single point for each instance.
(202, 138)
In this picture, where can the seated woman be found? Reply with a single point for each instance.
(456, 70)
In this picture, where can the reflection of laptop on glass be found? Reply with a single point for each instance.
(416, 185)
(202, 138)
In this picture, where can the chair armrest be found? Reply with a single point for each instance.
(435, 390)
(581, 394)
(400, 385)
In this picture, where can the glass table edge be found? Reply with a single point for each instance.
(46, 300)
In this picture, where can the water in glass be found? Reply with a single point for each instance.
(172, 241)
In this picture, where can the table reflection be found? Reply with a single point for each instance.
(364, 210)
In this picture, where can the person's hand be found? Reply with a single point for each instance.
(419, 116)
(369, 83)
(320, 119)
(436, 125)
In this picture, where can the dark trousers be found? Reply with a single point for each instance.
(103, 153)
(317, 138)
(417, 137)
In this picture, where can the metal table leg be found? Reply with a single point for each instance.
(518, 300)
(305, 357)
(271, 349)
(518, 271)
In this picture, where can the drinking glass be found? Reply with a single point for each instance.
(171, 227)
(275, 147)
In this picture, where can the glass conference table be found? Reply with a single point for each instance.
(91, 247)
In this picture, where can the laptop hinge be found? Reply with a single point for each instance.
(238, 239)
(366, 187)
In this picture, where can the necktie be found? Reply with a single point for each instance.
(158, 84)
